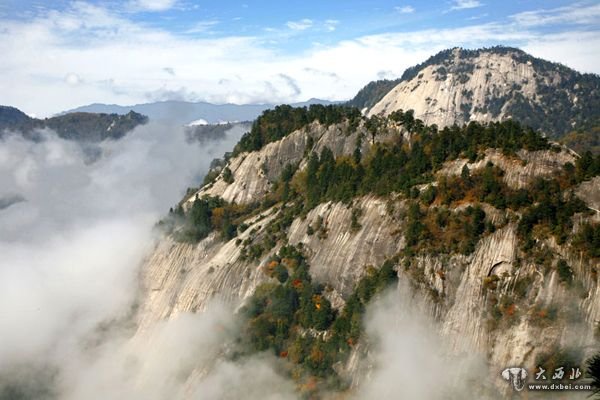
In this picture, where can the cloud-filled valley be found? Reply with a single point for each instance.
(72, 247)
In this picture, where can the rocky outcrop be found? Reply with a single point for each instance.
(255, 172)
(588, 191)
(182, 277)
(339, 255)
(520, 170)
(463, 322)
(460, 92)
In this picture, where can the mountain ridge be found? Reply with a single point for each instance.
(491, 225)
(90, 127)
(489, 84)
(184, 112)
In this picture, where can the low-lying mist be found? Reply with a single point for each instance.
(72, 244)
(71, 250)
(409, 359)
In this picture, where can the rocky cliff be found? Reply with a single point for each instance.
(458, 86)
(515, 308)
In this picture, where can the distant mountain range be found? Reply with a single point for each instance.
(83, 126)
(96, 122)
(183, 112)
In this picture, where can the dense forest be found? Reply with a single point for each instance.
(291, 315)
(408, 168)
(583, 140)
(279, 122)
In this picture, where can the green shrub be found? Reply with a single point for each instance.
(227, 175)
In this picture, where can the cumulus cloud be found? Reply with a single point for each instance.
(166, 93)
(202, 26)
(319, 72)
(72, 79)
(169, 360)
(385, 75)
(255, 379)
(331, 24)
(292, 84)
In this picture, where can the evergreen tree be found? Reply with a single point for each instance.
(593, 370)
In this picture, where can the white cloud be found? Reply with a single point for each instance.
(405, 9)
(300, 25)
(579, 50)
(560, 15)
(465, 4)
(152, 5)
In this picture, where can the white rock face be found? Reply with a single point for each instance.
(341, 257)
(588, 191)
(253, 173)
(182, 277)
(445, 98)
(463, 323)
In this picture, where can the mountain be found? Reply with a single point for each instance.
(89, 127)
(459, 86)
(183, 112)
(204, 133)
(371, 94)
(13, 118)
(491, 228)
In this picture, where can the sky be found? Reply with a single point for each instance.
(57, 55)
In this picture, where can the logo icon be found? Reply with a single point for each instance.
(516, 376)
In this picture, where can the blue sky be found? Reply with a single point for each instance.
(62, 54)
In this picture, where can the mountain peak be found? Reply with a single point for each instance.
(12, 116)
(456, 86)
